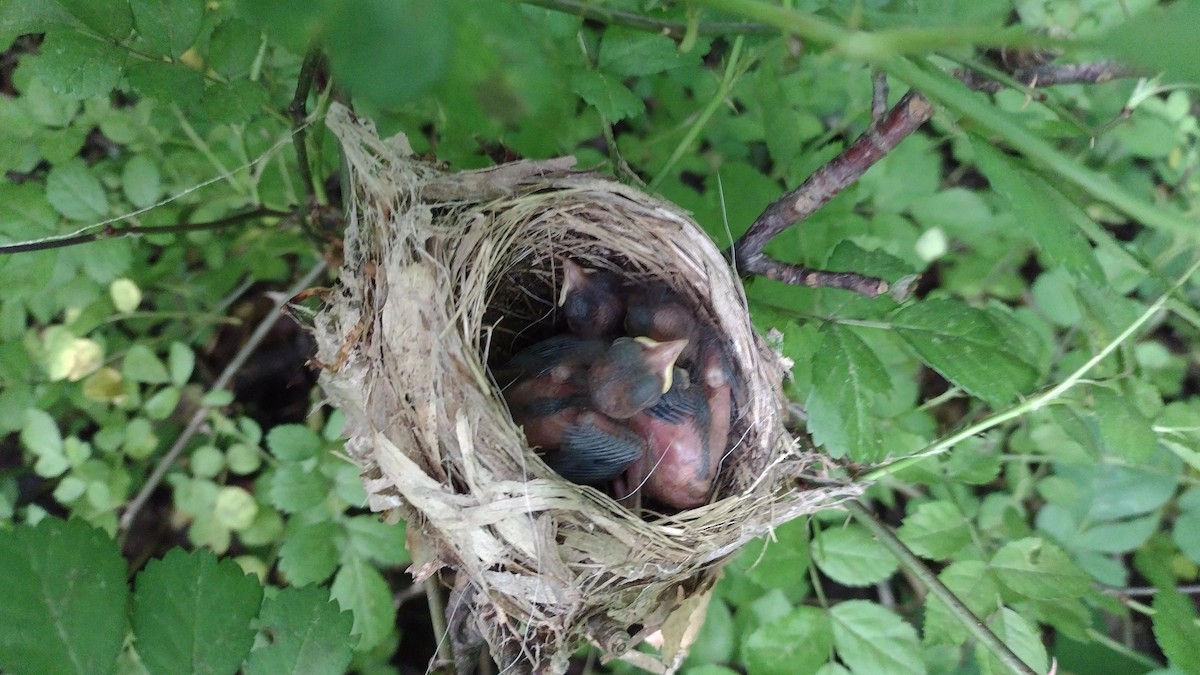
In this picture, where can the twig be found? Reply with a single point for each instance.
(799, 275)
(673, 29)
(879, 95)
(110, 231)
(298, 110)
(222, 381)
(880, 138)
(966, 617)
(1143, 591)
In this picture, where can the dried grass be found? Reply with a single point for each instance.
(446, 273)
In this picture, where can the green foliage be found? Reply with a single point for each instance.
(1042, 227)
(68, 611)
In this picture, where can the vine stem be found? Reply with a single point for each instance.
(222, 381)
(1040, 401)
(936, 588)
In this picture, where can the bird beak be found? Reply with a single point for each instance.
(661, 356)
(573, 277)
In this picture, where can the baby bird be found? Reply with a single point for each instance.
(591, 300)
(632, 375)
(685, 440)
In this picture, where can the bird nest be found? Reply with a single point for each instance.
(448, 273)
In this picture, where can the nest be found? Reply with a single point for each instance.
(446, 273)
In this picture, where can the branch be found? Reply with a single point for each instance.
(673, 29)
(111, 232)
(966, 617)
(299, 114)
(880, 138)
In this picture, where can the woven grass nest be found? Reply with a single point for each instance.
(446, 273)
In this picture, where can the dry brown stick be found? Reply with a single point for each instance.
(884, 134)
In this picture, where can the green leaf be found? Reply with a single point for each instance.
(606, 94)
(795, 644)
(840, 416)
(235, 508)
(1176, 631)
(1160, 39)
(870, 639)
(78, 66)
(936, 530)
(1021, 636)
(192, 613)
(141, 181)
(233, 47)
(180, 361)
(309, 554)
(107, 17)
(305, 633)
(1125, 431)
(75, 192)
(360, 588)
(40, 434)
(1041, 210)
(167, 27)
(162, 404)
(141, 365)
(376, 540)
(293, 442)
(851, 556)
(971, 583)
(1037, 569)
(966, 347)
(389, 51)
(627, 52)
(64, 599)
(292, 489)
(166, 82)
(233, 102)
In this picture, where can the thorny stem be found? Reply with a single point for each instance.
(111, 232)
(966, 617)
(222, 381)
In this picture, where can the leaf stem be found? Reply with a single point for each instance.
(1041, 400)
(972, 623)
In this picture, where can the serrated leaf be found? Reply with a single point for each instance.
(795, 644)
(360, 588)
(1176, 631)
(107, 17)
(192, 613)
(141, 181)
(292, 489)
(870, 639)
(1125, 431)
(167, 27)
(293, 442)
(232, 102)
(851, 556)
(376, 540)
(309, 554)
(141, 365)
(966, 347)
(1035, 568)
(936, 530)
(64, 599)
(971, 583)
(627, 52)
(1021, 636)
(1040, 210)
(78, 66)
(307, 633)
(235, 508)
(606, 94)
(840, 417)
(75, 192)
